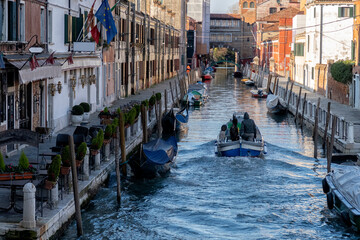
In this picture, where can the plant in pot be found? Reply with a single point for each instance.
(65, 159)
(131, 116)
(53, 172)
(114, 125)
(22, 170)
(77, 115)
(97, 142)
(158, 96)
(145, 103)
(152, 101)
(138, 109)
(108, 134)
(4, 175)
(86, 108)
(80, 154)
(105, 114)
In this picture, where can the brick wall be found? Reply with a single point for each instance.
(338, 91)
(321, 78)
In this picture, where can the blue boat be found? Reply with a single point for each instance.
(182, 117)
(241, 147)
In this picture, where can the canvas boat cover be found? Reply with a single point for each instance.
(183, 116)
(160, 151)
(272, 101)
(347, 181)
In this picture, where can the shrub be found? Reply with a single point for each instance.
(100, 137)
(23, 162)
(54, 169)
(145, 103)
(65, 156)
(85, 106)
(95, 143)
(137, 108)
(106, 110)
(77, 110)
(158, 96)
(81, 151)
(108, 131)
(341, 71)
(115, 121)
(131, 115)
(152, 100)
(2, 163)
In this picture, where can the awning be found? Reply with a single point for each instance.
(42, 72)
(82, 62)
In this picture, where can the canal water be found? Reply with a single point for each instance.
(209, 197)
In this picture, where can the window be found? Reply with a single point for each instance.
(2, 21)
(22, 22)
(42, 25)
(272, 10)
(299, 49)
(248, 39)
(308, 43)
(314, 12)
(252, 5)
(11, 21)
(312, 72)
(345, 12)
(50, 26)
(245, 5)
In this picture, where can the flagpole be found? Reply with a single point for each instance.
(26, 62)
(48, 58)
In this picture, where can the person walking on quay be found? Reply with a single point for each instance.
(248, 128)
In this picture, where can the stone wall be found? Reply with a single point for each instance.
(321, 78)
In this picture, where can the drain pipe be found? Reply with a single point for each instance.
(321, 32)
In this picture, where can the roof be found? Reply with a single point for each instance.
(285, 13)
(225, 16)
(271, 27)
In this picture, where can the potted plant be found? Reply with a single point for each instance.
(80, 153)
(105, 114)
(108, 134)
(114, 125)
(4, 175)
(22, 170)
(152, 101)
(158, 96)
(145, 103)
(65, 159)
(77, 115)
(86, 108)
(97, 142)
(53, 172)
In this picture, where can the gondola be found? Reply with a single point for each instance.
(275, 104)
(241, 147)
(182, 117)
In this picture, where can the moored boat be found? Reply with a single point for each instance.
(249, 83)
(259, 93)
(241, 147)
(182, 117)
(196, 95)
(275, 104)
(238, 74)
(342, 189)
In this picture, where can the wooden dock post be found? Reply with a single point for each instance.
(277, 86)
(286, 89)
(122, 143)
(117, 165)
(331, 144)
(165, 100)
(297, 105)
(177, 94)
(75, 186)
(326, 124)
(291, 88)
(274, 87)
(144, 123)
(172, 95)
(160, 117)
(315, 132)
(303, 111)
(268, 83)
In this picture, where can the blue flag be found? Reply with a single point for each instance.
(2, 63)
(104, 16)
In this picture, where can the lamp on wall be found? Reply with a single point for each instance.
(36, 99)
(36, 47)
(52, 89)
(83, 80)
(59, 87)
(73, 83)
(92, 79)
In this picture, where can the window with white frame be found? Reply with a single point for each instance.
(42, 25)
(345, 12)
(22, 21)
(50, 26)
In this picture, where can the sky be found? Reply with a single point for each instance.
(221, 6)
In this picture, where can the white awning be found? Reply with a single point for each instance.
(82, 62)
(49, 71)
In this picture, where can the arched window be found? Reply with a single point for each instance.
(245, 5)
(252, 5)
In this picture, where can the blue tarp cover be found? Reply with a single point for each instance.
(181, 118)
(160, 151)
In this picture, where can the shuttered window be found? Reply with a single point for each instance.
(11, 21)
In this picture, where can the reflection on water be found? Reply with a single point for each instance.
(209, 197)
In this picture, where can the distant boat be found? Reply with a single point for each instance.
(275, 104)
(197, 94)
(238, 74)
(259, 93)
(342, 189)
(243, 148)
(249, 83)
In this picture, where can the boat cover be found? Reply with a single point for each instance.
(272, 101)
(160, 151)
(347, 181)
(181, 117)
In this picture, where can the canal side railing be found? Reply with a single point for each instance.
(346, 140)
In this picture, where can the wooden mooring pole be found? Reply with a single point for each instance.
(268, 83)
(165, 100)
(277, 86)
(291, 88)
(274, 87)
(122, 143)
(286, 89)
(316, 127)
(177, 94)
(117, 165)
(75, 186)
(172, 95)
(144, 123)
(303, 111)
(331, 144)
(326, 125)
(297, 105)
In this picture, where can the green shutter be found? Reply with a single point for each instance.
(12, 21)
(302, 49)
(354, 11)
(351, 12)
(352, 50)
(73, 29)
(86, 15)
(79, 25)
(339, 12)
(66, 25)
(295, 45)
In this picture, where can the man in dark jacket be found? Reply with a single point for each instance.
(248, 128)
(234, 131)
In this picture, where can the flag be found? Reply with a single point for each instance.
(33, 62)
(95, 33)
(70, 59)
(50, 59)
(2, 63)
(104, 15)
(90, 20)
(91, 24)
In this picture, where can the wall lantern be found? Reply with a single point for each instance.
(73, 83)
(59, 87)
(52, 89)
(36, 48)
(83, 80)
(92, 79)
